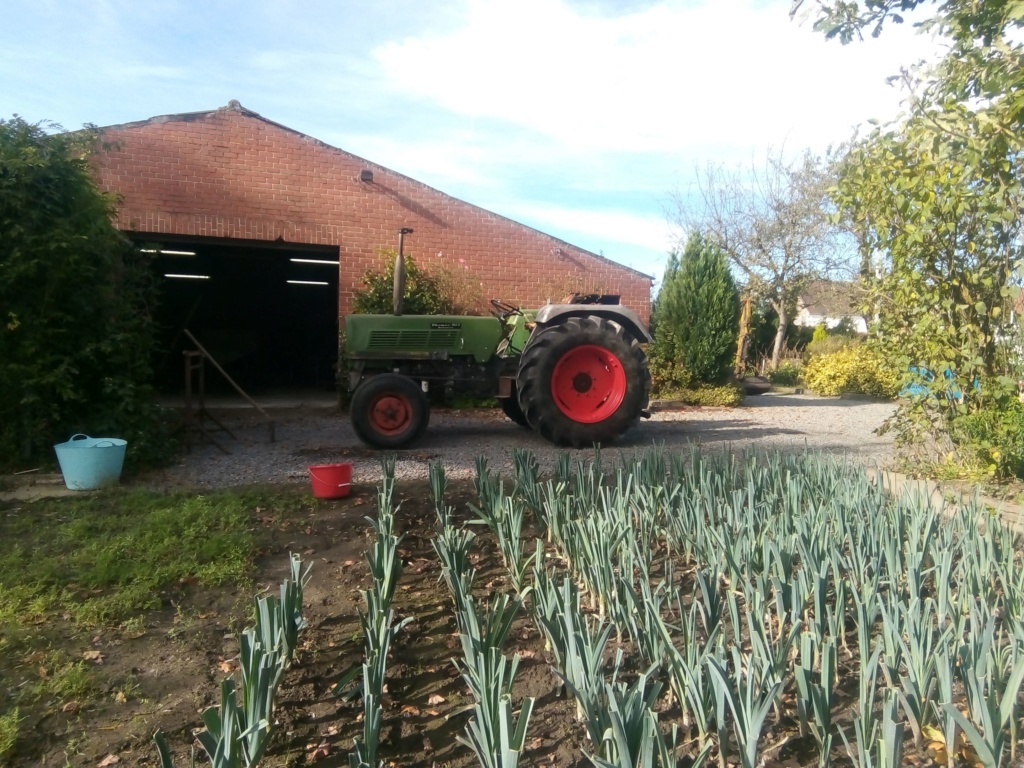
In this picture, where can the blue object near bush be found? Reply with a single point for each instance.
(88, 463)
(951, 389)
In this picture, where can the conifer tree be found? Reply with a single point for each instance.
(697, 311)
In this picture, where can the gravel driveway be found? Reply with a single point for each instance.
(308, 436)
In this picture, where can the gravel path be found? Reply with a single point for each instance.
(324, 436)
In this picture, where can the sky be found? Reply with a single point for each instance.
(580, 118)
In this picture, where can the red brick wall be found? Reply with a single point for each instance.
(230, 173)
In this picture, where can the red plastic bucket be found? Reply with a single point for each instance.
(331, 481)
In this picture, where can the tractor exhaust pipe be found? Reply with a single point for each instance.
(398, 292)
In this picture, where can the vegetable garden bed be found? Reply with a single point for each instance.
(731, 610)
(678, 609)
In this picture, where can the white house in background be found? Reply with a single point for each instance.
(829, 302)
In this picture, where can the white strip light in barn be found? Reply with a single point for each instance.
(307, 282)
(168, 253)
(314, 261)
(189, 277)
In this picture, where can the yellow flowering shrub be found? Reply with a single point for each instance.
(855, 369)
(727, 395)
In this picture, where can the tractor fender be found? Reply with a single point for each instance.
(627, 318)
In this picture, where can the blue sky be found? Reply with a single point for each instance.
(577, 117)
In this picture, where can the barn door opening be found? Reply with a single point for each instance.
(266, 311)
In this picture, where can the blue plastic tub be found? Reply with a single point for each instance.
(88, 463)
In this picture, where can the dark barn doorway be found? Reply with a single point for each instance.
(266, 311)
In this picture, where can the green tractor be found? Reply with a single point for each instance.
(574, 372)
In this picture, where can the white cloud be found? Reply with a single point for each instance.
(659, 80)
(596, 226)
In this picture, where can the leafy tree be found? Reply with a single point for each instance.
(973, 98)
(941, 238)
(75, 328)
(774, 226)
(935, 200)
(697, 311)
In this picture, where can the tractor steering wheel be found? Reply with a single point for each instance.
(501, 309)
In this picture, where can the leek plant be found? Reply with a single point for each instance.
(686, 667)
(378, 623)
(748, 697)
(815, 697)
(261, 670)
(222, 739)
(866, 724)
(292, 621)
(494, 733)
(364, 750)
(528, 486)
(992, 674)
(578, 642)
(438, 484)
(236, 735)
(632, 736)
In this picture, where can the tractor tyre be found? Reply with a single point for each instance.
(389, 411)
(510, 405)
(583, 381)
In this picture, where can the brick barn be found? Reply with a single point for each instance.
(263, 233)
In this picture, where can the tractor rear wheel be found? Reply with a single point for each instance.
(510, 405)
(583, 381)
(389, 411)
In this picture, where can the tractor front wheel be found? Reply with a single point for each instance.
(389, 411)
(583, 381)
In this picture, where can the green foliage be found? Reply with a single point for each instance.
(437, 291)
(697, 312)
(105, 558)
(664, 358)
(785, 375)
(855, 369)
(947, 231)
(938, 198)
(992, 440)
(727, 396)
(76, 332)
(829, 345)
(772, 222)
(9, 722)
(764, 326)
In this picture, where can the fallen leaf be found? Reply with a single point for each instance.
(96, 657)
(108, 760)
(323, 749)
(225, 667)
(409, 709)
(120, 698)
(433, 712)
(70, 707)
(435, 698)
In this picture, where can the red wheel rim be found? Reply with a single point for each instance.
(588, 384)
(390, 414)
